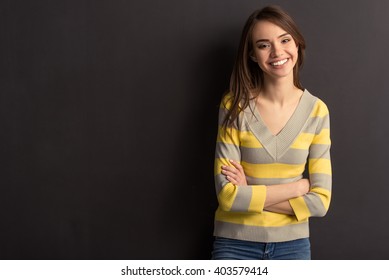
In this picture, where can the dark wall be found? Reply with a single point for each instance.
(108, 113)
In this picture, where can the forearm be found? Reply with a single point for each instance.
(282, 208)
(276, 194)
(258, 197)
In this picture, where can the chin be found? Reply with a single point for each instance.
(279, 74)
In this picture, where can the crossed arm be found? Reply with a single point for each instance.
(277, 196)
(302, 199)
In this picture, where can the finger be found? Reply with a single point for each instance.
(230, 174)
(233, 162)
(236, 164)
(232, 180)
(229, 168)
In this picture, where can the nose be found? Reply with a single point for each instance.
(276, 50)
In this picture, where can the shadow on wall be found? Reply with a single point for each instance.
(193, 172)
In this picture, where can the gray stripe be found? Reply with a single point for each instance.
(229, 151)
(315, 123)
(321, 180)
(261, 234)
(222, 115)
(319, 151)
(270, 181)
(242, 200)
(261, 156)
(255, 155)
(311, 125)
(315, 205)
(325, 123)
(294, 156)
(220, 182)
(237, 124)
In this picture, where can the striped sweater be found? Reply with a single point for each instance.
(304, 142)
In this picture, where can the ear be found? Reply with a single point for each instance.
(253, 58)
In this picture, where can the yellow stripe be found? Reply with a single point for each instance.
(273, 170)
(228, 135)
(227, 196)
(320, 110)
(219, 162)
(264, 219)
(247, 139)
(238, 138)
(227, 101)
(258, 198)
(323, 137)
(325, 196)
(300, 208)
(320, 165)
(303, 141)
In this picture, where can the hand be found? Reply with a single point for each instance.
(303, 186)
(235, 174)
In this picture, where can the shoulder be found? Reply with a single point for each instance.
(320, 108)
(227, 100)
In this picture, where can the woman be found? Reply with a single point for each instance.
(270, 130)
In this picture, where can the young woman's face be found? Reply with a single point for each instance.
(274, 50)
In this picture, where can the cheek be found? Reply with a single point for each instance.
(261, 57)
(295, 52)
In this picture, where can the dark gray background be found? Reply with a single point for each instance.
(108, 119)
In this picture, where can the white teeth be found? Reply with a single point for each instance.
(278, 63)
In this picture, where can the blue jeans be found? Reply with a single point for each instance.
(233, 249)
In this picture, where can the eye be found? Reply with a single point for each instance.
(263, 45)
(286, 40)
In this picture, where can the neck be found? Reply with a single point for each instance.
(279, 90)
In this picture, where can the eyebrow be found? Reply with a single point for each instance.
(267, 40)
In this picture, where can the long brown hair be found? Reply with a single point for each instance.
(247, 77)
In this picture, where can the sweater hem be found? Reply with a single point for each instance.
(261, 234)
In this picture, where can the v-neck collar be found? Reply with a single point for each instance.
(277, 145)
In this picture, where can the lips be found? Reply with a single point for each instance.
(279, 62)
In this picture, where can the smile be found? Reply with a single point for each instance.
(280, 62)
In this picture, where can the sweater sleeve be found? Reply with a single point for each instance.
(232, 197)
(316, 202)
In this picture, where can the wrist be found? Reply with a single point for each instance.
(302, 187)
